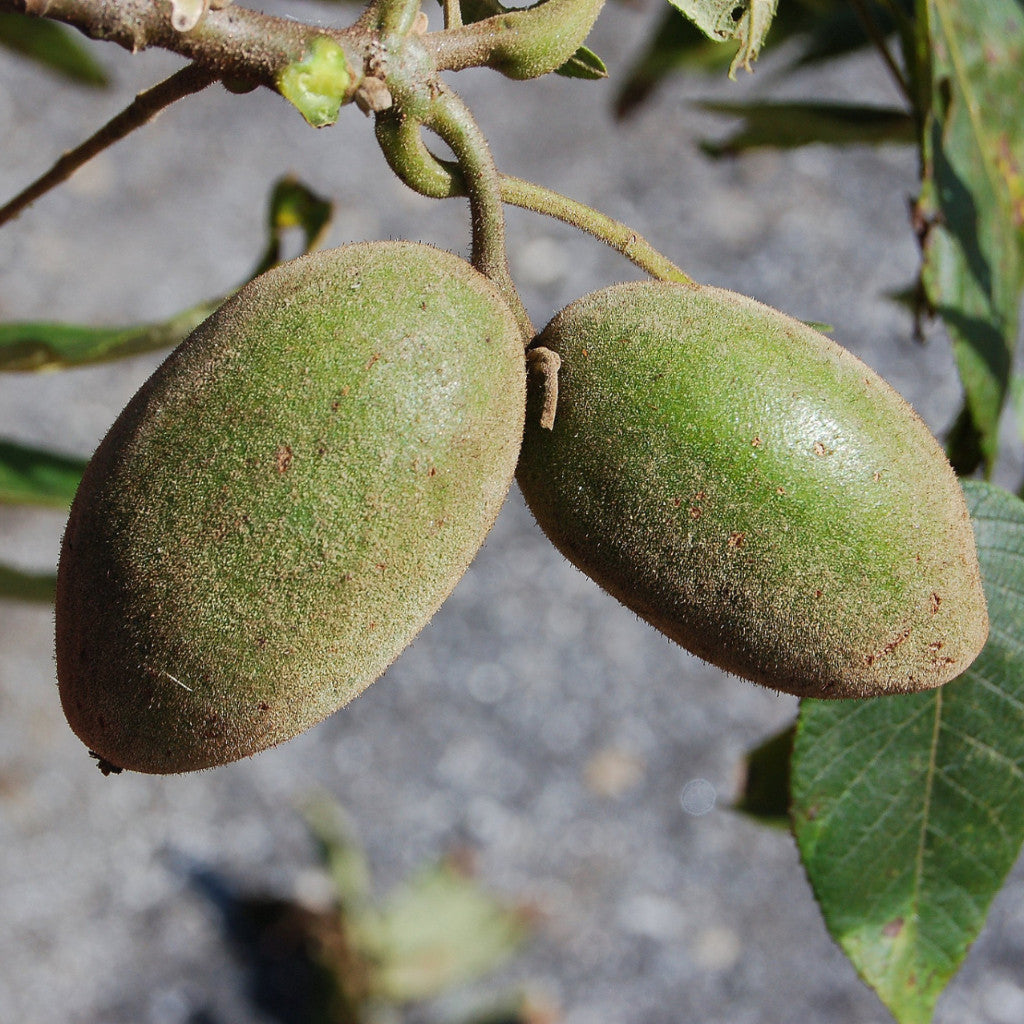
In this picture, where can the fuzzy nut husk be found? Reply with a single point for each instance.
(285, 504)
(755, 492)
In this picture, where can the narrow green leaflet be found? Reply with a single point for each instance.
(32, 476)
(677, 45)
(27, 586)
(585, 64)
(786, 125)
(293, 205)
(746, 21)
(909, 811)
(55, 346)
(51, 45)
(972, 200)
(340, 853)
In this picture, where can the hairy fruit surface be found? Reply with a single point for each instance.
(755, 492)
(285, 504)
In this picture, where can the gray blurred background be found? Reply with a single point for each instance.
(587, 762)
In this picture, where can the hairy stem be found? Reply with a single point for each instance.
(452, 14)
(407, 155)
(396, 17)
(143, 108)
(427, 174)
(619, 236)
(234, 42)
(452, 121)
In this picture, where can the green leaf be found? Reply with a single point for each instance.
(54, 346)
(340, 854)
(26, 586)
(909, 811)
(971, 206)
(32, 476)
(52, 45)
(746, 21)
(584, 63)
(677, 45)
(293, 205)
(787, 125)
(765, 792)
(439, 930)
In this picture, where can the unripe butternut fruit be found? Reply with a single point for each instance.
(755, 492)
(285, 504)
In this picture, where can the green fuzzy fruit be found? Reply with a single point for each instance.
(285, 504)
(755, 492)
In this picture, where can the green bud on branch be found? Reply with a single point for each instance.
(520, 44)
(318, 84)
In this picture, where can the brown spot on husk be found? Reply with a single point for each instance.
(870, 659)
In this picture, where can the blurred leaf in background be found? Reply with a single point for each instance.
(53, 46)
(357, 961)
(34, 476)
(26, 586)
(787, 125)
(59, 346)
(438, 930)
(820, 30)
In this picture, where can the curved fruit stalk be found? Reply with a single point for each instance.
(755, 492)
(285, 504)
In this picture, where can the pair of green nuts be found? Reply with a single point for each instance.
(291, 496)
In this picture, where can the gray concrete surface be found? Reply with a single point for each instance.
(486, 733)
